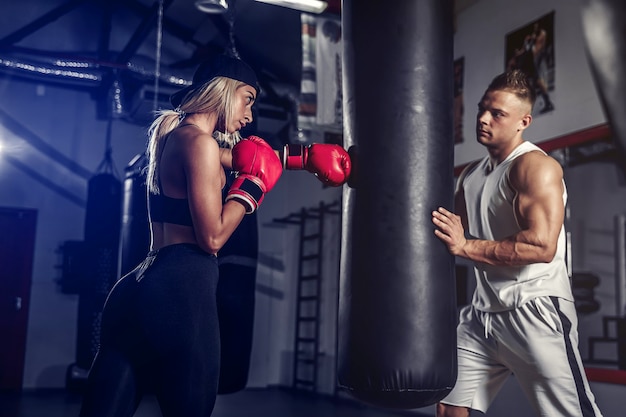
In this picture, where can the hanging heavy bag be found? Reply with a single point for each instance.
(235, 302)
(397, 304)
(99, 270)
(135, 234)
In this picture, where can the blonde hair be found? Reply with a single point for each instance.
(215, 96)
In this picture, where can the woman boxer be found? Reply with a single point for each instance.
(159, 325)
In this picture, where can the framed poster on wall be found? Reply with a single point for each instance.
(531, 49)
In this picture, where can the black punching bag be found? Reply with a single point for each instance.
(135, 239)
(235, 301)
(102, 234)
(605, 40)
(397, 302)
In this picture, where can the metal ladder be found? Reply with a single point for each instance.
(308, 293)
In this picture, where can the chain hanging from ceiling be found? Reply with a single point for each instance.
(230, 15)
(157, 62)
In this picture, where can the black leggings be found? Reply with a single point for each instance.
(159, 334)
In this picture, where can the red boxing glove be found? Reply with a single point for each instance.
(331, 164)
(259, 141)
(259, 169)
(253, 156)
(247, 190)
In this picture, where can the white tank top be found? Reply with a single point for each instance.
(491, 216)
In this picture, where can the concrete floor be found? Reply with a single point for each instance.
(273, 402)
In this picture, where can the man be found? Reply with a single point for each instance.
(522, 318)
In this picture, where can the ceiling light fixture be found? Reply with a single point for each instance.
(212, 6)
(311, 6)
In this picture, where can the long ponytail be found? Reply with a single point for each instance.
(166, 121)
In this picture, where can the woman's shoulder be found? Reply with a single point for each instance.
(193, 140)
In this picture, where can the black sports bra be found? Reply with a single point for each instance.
(166, 209)
(169, 210)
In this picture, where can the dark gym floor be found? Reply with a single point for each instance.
(274, 402)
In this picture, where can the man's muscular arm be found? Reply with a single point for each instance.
(539, 209)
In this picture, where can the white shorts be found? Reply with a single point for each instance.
(538, 343)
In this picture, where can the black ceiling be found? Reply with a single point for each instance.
(97, 44)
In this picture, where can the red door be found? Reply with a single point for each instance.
(17, 242)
